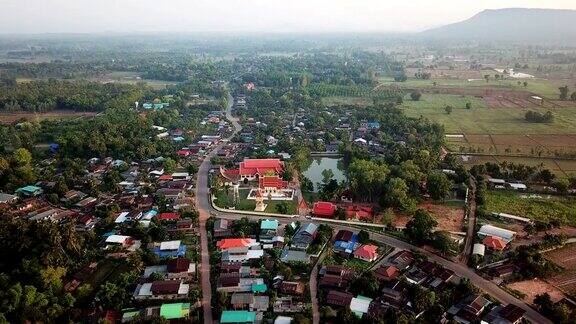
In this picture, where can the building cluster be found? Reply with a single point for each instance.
(239, 273)
(395, 274)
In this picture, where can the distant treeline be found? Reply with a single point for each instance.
(41, 96)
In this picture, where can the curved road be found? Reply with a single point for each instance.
(205, 208)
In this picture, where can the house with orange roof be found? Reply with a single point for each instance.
(359, 212)
(367, 252)
(232, 243)
(494, 242)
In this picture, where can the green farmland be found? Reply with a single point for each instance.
(543, 209)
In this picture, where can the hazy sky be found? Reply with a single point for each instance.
(81, 16)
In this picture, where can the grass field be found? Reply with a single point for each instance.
(542, 87)
(482, 120)
(224, 201)
(544, 209)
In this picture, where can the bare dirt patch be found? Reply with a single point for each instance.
(531, 288)
(449, 218)
(8, 118)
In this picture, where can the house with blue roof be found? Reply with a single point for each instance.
(373, 125)
(345, 242)
(169, 249)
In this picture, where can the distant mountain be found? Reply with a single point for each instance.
(513, 25)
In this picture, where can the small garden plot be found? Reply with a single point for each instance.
(543, 208)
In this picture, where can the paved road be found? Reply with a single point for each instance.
(314, 287)
(471, 222)
(203, 206)
(205, 209)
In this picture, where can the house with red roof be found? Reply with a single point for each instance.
(494, 242)
(255, 168)
(367, 252)
(232, 243)
(165, 177)
(386, 273)
(183, 153)
(168, 216)
(324, 209)
(359, 212)
(272, 184)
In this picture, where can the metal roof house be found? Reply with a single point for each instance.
(490, 230)
(238, 317)
(30, 191)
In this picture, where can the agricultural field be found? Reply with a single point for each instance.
(564, 257)
(561, 168)
(543, 208)
(340, 100)
(521, 145)
(542, 87)
(332, 90)
(132, 78)
(482, 120)
(11, 117)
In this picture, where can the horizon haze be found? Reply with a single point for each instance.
(128, 16)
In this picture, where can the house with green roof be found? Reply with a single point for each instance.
(175, 310)
(259, 288)
(238, 317)
(29, 191)
(268, 229)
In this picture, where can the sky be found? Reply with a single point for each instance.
(122, 16)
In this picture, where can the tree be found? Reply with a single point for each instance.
(282, 208)
(562, 185)
(367, 178)
(419, 228)
(448, 109)
(365, 285)
(563, 93)
(438, 185)
(169, 165)
(415, 95)
(468, 105)
(396, 193)
(363, 237)
(21, 157)
(444, 243)
(573, 96)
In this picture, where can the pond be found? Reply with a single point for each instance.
(314, 171)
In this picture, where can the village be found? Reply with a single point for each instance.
(309, 195)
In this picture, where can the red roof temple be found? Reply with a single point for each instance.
(272, 182)
(324, 209)
(261, 167)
